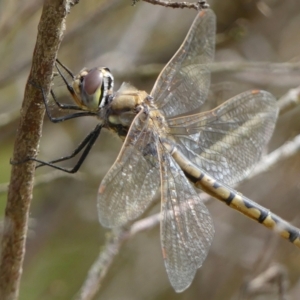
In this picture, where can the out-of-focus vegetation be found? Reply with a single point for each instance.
(64, 235)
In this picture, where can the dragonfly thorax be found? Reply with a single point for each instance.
(93, 88)
(119, 113)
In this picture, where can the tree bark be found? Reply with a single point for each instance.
(50, 31)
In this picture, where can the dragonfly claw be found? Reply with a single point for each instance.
(16, 163)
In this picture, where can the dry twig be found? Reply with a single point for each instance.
(114, 243)
(198, 5)
(46, 178)
(290, 100)
(274, 277)
(102, 264)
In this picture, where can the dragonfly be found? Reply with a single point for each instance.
(171, 145)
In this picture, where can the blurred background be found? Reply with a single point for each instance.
(65, 236)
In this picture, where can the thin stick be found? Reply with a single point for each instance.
(46, 178)
(198, 5)
(29, 131)
(112, 247)
(102, 264)
(290, 100)
(268, 68)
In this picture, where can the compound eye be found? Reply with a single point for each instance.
(92, 81)
(91, 90)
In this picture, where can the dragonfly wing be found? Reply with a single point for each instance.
(186, 226)
(131, 183)
(226, 142)
(184, 82)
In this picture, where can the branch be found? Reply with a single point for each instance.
(275, 275)
(46, 178)
(111, 249)
(49, 36)
(289, 101)
(198, 5)
(102, 264)
(284, 152)
(266, 67)
(152, 70)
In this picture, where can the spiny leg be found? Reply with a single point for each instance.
(83, 113)
(86, 144)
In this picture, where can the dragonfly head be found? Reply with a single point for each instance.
(93, 88)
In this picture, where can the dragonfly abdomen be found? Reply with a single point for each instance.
(235, 200)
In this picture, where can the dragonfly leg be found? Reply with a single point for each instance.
(86, 144)
(69, 87)
(63, 106)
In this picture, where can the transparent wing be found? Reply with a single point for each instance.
(186, 226)
(184, 82)
(131, 183)
(226, 142)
